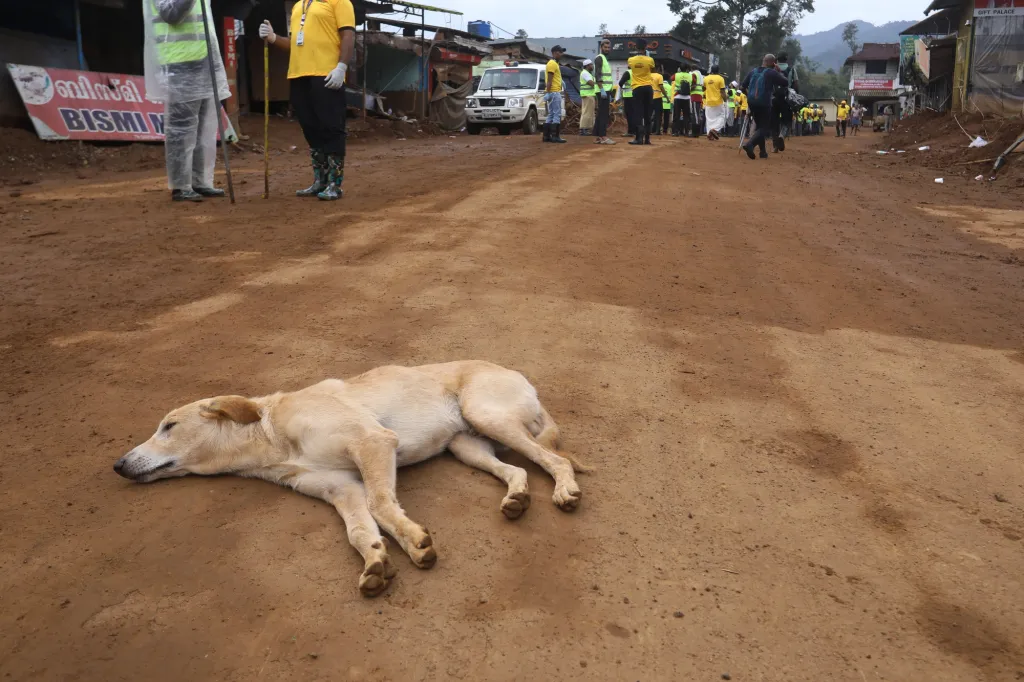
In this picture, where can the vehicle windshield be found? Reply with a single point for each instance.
(509, 79)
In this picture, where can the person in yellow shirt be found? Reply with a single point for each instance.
(716, 110)
(553, 96)
(320, 49)
(642, 67)
(842, 115)
(742, 109)
(657, 85)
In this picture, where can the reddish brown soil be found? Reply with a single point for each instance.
(799, 381)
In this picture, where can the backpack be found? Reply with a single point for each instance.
(759, 93)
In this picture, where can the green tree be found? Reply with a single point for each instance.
(640, 28)
(602, 29)
(850, 37)
(521, 34)
(740, 18)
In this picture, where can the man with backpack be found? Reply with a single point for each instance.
(681, 103)
(782, 114)
(760, 85)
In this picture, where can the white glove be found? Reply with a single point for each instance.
(267, 32)
(335, 80)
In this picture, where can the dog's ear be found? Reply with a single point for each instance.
(233, 408)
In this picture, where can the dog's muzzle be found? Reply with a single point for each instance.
(138, 466)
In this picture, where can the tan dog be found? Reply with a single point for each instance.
(341, 441)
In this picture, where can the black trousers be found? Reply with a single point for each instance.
(680, 116)
(321, 113)
(666, 118)
(782, 119)
(841, 128)
(643, 97)
(654, 122)
(603, 114)
(763, 119)
(698, 118)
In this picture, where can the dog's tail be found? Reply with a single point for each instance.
(551, 438)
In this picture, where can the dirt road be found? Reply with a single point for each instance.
(800, 382)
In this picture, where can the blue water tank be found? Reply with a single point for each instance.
(480, 28)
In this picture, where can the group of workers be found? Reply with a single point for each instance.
(180, 48)
(185, 71)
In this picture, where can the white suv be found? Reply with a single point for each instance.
(508, 97)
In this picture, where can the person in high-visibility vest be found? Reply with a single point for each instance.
(681, 102)
(697, 102)
(588, 94)
(605, 92)
(628, 103)
(320, 48)
(666, 105)
(178, 74)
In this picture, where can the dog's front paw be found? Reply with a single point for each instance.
(376, 576)
(515, 504)
(567, 496)
(424, 557)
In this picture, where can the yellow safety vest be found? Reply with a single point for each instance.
(183, 42)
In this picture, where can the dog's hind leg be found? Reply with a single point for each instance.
(479, 453)
(345, 491)
(375, 456)
(513, 433)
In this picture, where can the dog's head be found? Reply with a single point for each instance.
(200, 438)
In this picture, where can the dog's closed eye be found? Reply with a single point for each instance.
(168, 426)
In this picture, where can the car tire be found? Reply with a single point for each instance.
(530, 125)
(473, 128)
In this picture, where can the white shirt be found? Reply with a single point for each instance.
(586, 77)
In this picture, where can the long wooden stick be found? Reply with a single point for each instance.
(216, 101)
(266, 120)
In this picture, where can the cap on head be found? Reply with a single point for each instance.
(558, 48)
(587, 62)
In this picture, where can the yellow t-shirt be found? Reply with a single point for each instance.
(657, 80)
(743, 101)
(321, 43)
(556, 76)
(714, 86)
(843, 112)
(642, 67)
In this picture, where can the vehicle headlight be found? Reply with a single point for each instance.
(514, 102)
(472, 103)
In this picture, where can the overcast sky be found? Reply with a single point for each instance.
(551, 19)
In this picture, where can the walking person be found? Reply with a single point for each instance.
(855, 118)
(178, 74)
(588, 95)
(681, 103)
(320, 49)
(715, 106)
(605, 92)
(642, 68)
(842, 114)
(628, 102)
(760, 86)
(887, 112)
(782, 114)
(731, 100)
(697, 102)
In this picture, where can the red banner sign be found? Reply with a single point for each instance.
(86, 105)
(873, 83)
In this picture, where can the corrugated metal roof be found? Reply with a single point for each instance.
(941, 23)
